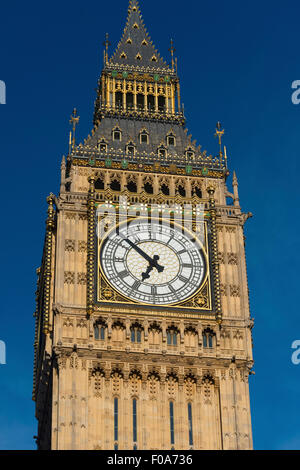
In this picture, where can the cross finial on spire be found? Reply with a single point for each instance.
(74, 120)
(172, 50)
(106, 44)
(219, 133)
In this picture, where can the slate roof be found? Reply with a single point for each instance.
(136, 49)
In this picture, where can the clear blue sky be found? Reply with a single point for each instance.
(237, 61)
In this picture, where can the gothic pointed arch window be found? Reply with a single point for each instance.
(117, 134)
(130, 149)
(172, 336)
(115, 185)
(151, 103)
(162, 151)
(132, 185)
(172, 424)
(165, 189)
(140, 101)
(129, 100)
(197, 190)
(208, 338)
(99, 184)
(100, 330)
(180, 188)
(102, 146)
(144, 137)
(171, 140)
(190, 153)
(136, 333)
(190, 421)
(119, 99)
(161, 103)
(148, 185)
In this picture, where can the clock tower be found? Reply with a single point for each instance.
(143, 329)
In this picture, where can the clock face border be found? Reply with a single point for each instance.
(125, 300)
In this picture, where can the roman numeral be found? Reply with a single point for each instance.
(123, 274)
(136, 285)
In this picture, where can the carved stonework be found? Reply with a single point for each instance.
(69, 277)
(221, 257)
(71, 215)
(70, 245)
(234, 291)
(74, 361)
(223, 289)
(81, 278)
(82, 246)
(232, 258)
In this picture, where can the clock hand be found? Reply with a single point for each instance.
(146, 275)
(152, 261)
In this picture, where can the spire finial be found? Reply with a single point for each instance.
(106, 44)
(74, 120)
(172, 50)
(219, 133)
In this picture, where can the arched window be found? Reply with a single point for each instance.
(172, 427)
(190, 154)
(99, 184)
(165, 190)
(208, 338)
(150, 102)
(129, 100)
(190, 418)
(117, 135)
(162, 152)
(116, 422)
(181, 191)
(161, 103)
(140, 101)
(130, 149)
(115, 185)
(144, 137)
(136, 333)
(134, 422)
(119, 99)
(197, 191)
(171, 141)
(148, 188)
(99, 331)
(172, 336)
(102, 146)
(132, 186)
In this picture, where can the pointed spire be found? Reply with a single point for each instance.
(136, 49)
(235, 186)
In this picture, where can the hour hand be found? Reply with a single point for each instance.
(146, 275)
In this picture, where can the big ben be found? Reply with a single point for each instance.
(143, 329)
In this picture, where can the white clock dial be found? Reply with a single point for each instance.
(152, 263)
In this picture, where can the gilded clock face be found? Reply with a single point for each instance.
(152, 263)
